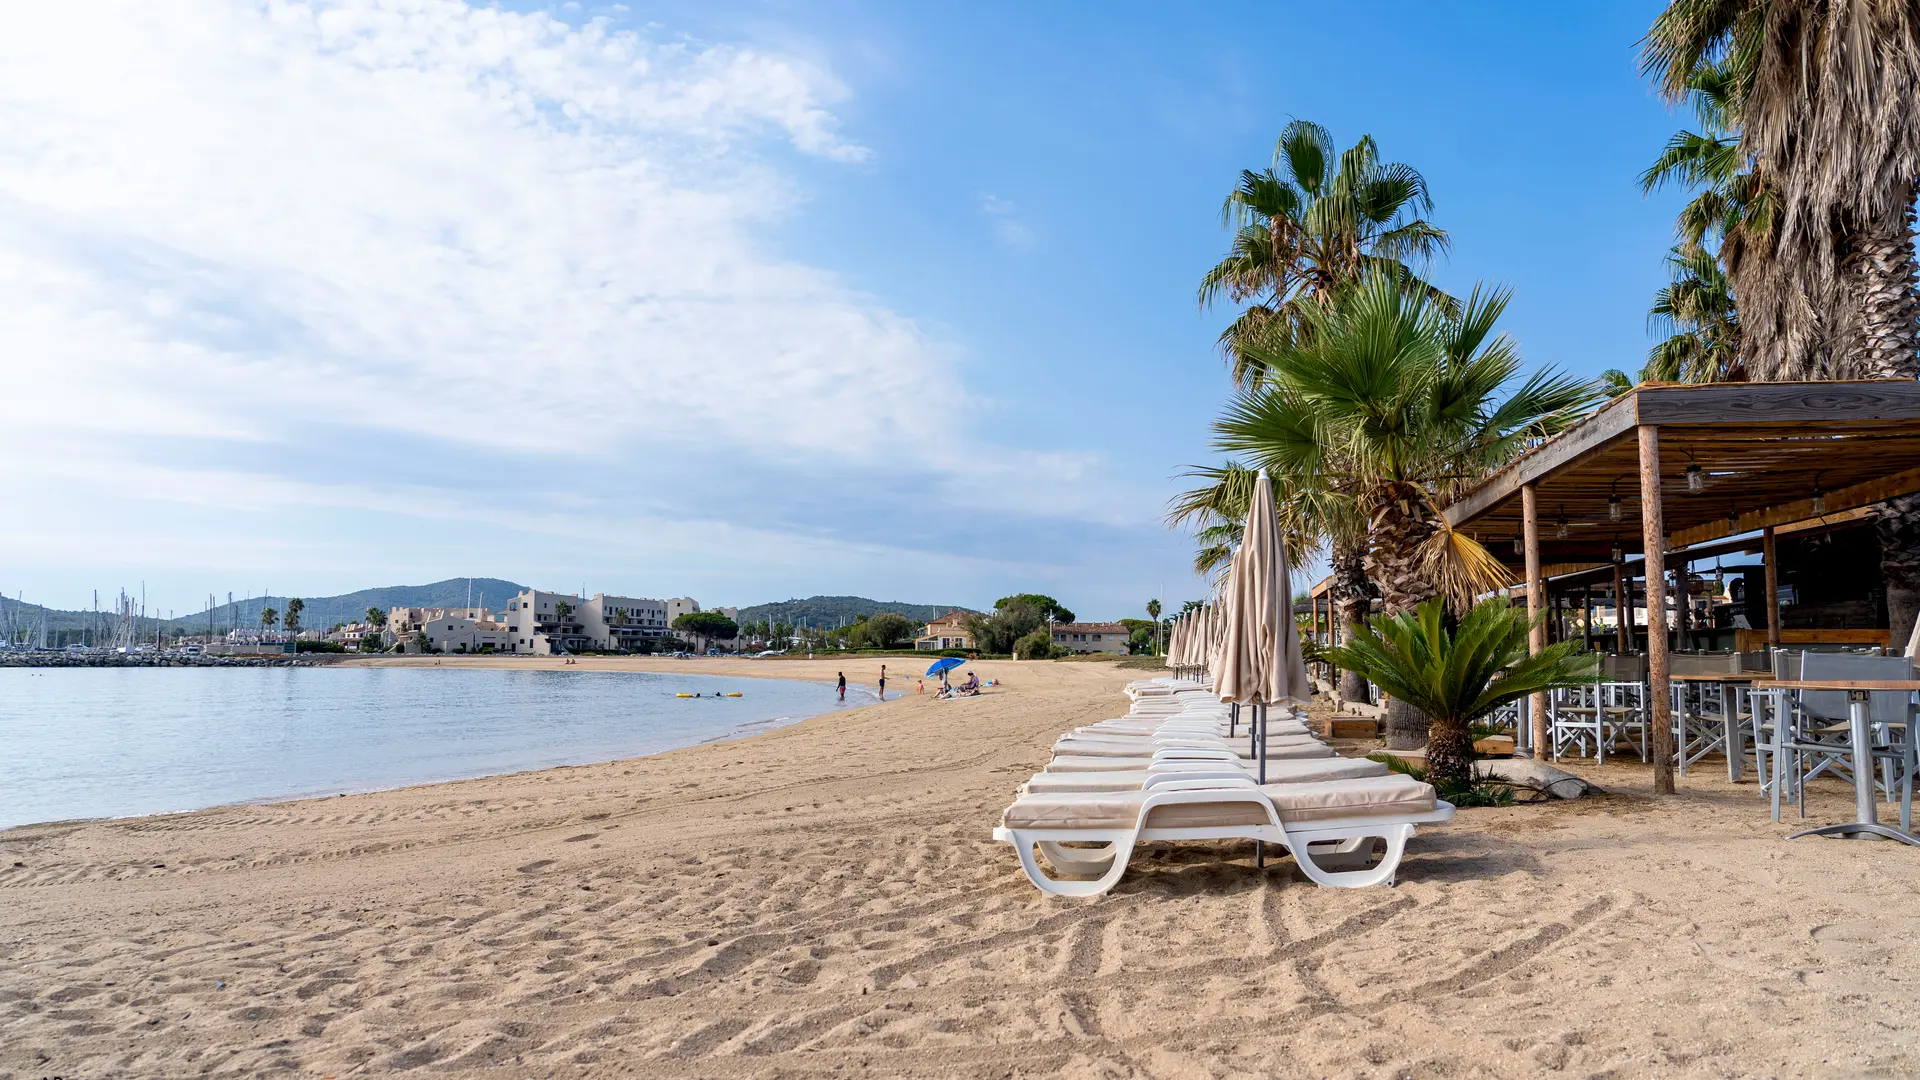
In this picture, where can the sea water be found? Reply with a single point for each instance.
(113, 742)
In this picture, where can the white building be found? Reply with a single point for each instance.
(604, 623)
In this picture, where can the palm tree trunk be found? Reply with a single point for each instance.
(1402, 521)
(1881, 267)
(1352, 601)
(1889, 348)
(1450, 755)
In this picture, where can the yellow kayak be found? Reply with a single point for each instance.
(735, 693)
(683, 695)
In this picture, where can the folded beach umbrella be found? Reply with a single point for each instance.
(1260, 662)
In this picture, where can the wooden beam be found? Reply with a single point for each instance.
(1612, 422)
(1770, 559)
(1541, 739)
(1778, 403)
(1847, 498)
(1652, 526)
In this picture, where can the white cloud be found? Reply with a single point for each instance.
(415, 215)
(1007, 226)
(518, 258)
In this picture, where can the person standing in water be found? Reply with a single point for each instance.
(843, 685)
(883, 682)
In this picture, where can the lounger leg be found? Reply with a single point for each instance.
(1023, 846)
(1396, 837)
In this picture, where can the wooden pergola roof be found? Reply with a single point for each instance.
(1763, 449)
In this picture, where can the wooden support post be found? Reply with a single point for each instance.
(1622, 610)
(1771, 560)
(1653, 536)
(1536, 610)
(1586, 617)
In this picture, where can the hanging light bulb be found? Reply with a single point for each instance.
(1696, 480)
(1560, 531)
(1733, 520)
(1616, 554)
(1519, 545)
(1819, 502)
(1613, 502)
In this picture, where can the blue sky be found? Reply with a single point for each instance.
(738, 301)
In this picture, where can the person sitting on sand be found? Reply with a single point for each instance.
(972, 685)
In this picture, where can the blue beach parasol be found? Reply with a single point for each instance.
(944, 664)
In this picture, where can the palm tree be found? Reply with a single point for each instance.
(1731, 213)
(1825, 96)
(1458, 676)
(376, 618)
(1153, 613)
(1401, 406)
(1306, 227)
(1697, 312)
(292, 621)
(268, 616)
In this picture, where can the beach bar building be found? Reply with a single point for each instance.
(1606, 523)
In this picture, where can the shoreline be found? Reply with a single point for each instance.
(743, 730)
(824, 899)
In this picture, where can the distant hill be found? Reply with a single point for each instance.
(324, 611)
(832, 610)
(321, 611)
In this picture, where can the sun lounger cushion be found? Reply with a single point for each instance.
(1378, 796)
(1136, 746)
(1075, 762)
(1300, 771)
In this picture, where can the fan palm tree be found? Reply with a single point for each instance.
(1401, 406)
(1309, 225)
(1458, 676)
(1697, 312)
(1825, 94)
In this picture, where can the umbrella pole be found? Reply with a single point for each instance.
(1233, 719)
(1257, 729)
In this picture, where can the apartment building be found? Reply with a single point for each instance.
(1092, 637)
(609, 623)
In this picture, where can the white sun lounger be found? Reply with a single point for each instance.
(1344, 814)
(1286, 771)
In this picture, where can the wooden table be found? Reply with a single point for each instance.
(1866, 825)
(1734, 745)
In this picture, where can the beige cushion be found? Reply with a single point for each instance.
(1300, 771)
(1073, 761)
(1391, 796)
(1136, 746)
(1123, 727)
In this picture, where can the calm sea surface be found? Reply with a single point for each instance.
(111, 742)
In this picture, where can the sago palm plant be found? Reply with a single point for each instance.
(1459, 675)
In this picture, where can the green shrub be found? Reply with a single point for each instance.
(319, 647)
(1037, 645)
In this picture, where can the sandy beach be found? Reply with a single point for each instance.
(825, 900)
